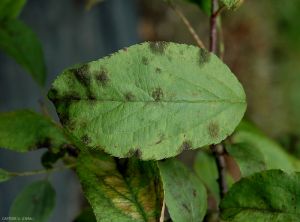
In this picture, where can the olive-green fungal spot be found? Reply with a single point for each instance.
(128, 105)
(204, 56)
(86, 139)
(102, 77)
(158, 70)
(186, 145)
(82, 75)
(158, 47)
(213, 129)
(129, 96)
(157, 94)
(145, 61)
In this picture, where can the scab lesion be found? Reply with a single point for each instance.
(186, 145)
(102, 77)
(213, 130)
(82, 75)
(145, 60)
(85, 139)
(135, 152)
(158, 47)
(204, 56)
(157, 94)
(129, 96)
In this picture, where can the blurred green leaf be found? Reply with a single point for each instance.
(87, 215)
(274, 156)
(150, 96)
(206, 169)
(204, 5)
(266, 196)
(4, 175)
(249, 158)
(185, 195)
(36, 201)
(124, 190)
(232, 4)
(91, 3)
(25, 130)
(19, 42)
(49, 158)
(10, 9)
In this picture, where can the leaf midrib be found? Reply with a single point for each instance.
(241, 101)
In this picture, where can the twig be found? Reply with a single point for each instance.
(218, 151)
(162, 214)
(213, 26)
(221, 38)
(37, 172)
(187, 24)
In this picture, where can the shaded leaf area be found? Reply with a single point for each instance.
(18, 41)
(25, 130)
(151, 100)
(271, 195)
(120, 189)
(87, 215)
(249, 158)
(36, 201)
(206, 169)
(205, 5)
(256, 151)
(92, 3)
(232, 4)
(185, 195)
(4, 175)
(10, 9)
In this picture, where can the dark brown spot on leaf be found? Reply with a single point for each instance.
(204, 56)
(186, 145)
(157, 94)
(134, 153)
(214, 129)
(161, 138)
(102, 77)
(145, 61)
(129, 96)
(86, 139)
(158, 47)
(82, 75)
(186, 207)
(194, 193)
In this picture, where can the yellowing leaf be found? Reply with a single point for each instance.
(124, 190)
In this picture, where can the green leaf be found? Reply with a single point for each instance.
(120, 189)
(266, 196)
(86, 215)
(10, 9)
(36, 201)
(206, 169)
(274, 156)
(185, 195)
(151, 100)
(232, 4)
(19, 42)
(91, 3)
(25, 130)
(4, 175)
(249, 158)
(204, 5)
